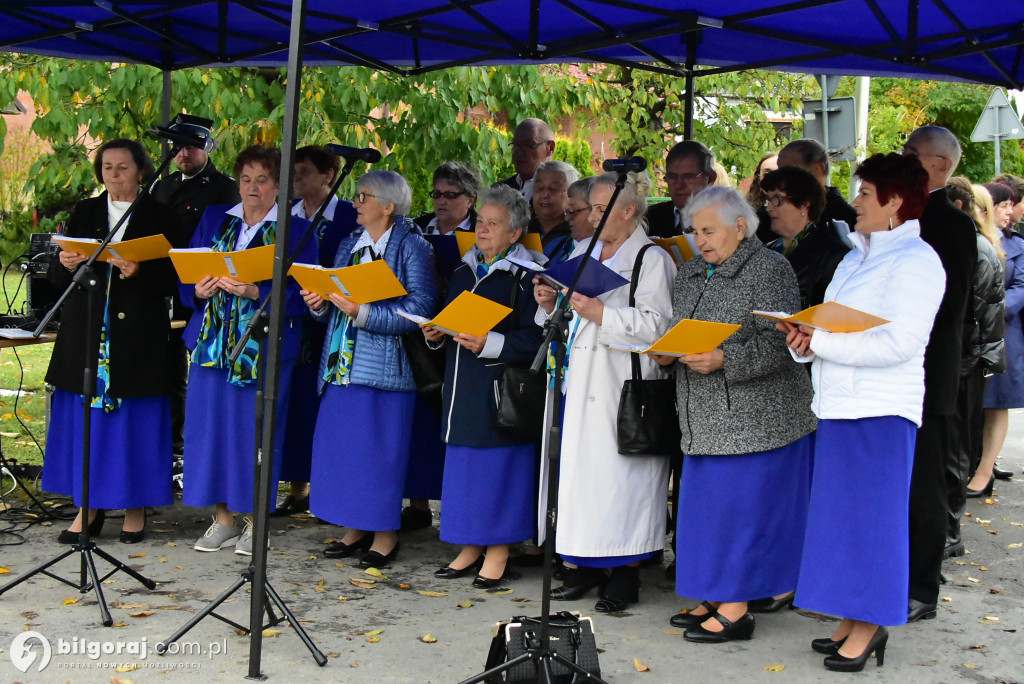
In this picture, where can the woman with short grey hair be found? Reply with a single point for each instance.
(387, 186)
(746, 421)
(456, 186)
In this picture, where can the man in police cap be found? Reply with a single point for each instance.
(196, 185)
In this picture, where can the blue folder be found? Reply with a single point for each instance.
(446, 253)
(597, 278)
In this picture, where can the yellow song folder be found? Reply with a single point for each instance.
(247, 265)
(467, 239)
(686, 337)
(363, 283)
(678, 247)
(139, 249)
(830, 316)
(469, 313)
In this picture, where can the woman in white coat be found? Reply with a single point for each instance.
(611, 507)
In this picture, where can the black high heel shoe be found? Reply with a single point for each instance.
(977, 494)
(623, 588)
(827, 646)
(840, 663)
(578, 581)
(1001, 474)
(95, 527)
(343, 550)
(448, 572)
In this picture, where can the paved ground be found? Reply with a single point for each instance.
(978, 636)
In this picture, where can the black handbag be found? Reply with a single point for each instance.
(571, 636)
(427, 367)
(648, 422)
(520, 395)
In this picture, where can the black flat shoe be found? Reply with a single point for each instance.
(292, 506)
(578, 581)
(840, 663)
(132, 537)
(1001, 474)
(771, 605)
(374, 559)
(95, 527)
(731, 631)
(977, 494)
(687, 620)
(623, 588)
(827, 646)
(448, 572)
(481, 582)
(916, 610)
(343, 550)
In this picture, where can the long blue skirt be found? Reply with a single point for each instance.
(220, 429)
(741, 523)
(489, 494)
(300, 421)
(856, 558)
(360, 454)
(130, 457)
(426, 454)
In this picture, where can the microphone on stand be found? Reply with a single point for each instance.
(351, 154)
(625, 165)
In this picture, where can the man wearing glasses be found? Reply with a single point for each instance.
(689, 168)
(532, 143)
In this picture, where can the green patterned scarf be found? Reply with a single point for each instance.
(103, 400)
(343, 342)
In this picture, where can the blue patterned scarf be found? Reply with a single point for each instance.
(343, 341)
(483, 265)
(226, 316)
(103, 399)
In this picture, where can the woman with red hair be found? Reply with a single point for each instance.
(868, 396)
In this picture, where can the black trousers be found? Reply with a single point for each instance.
(965, 454)
(179, 383)
(928, 506)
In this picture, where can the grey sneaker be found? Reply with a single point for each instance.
(244, 545)
(217, 537)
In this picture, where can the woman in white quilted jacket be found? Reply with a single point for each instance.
(868, 396)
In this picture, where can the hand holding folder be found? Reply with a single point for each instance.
(468, 314)
(829, 316)
(139, 249)
(685, 338)
(596, 280)
(363, 283)
(247, 265)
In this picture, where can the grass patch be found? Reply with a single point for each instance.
(25, 367)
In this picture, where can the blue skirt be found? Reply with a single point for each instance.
(605, 561)
(856, 559)
(360, 454)
(489, 494)
(220, 438)
(426, 454)
(130, 458)
(1006, 390)
(299, 423)
(741, 523)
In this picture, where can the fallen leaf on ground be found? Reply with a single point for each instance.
(68, 602)
(30, 615)
(500, 592)
(118, 680)
(373, 640)
(320, 590)
(171, 544)
(430, 593)
(465, 604)
(339, 565)
(671, 632)
(128, 668)
(990, 618)
(120, 624)
(1015, 546)
(179, 567)
(640, 667)
(373, 632)
(979, 649)
(429, 639)
(333, 655)
(162, 560)
(268, 633)
(138, 555)
(774, 668)
(976, 581)
(947, 599)
(404, 586)
(362, 583)
(320, 582)
(142, 613)
(133, 606)
(970, 667)
(4, 571)
(376, 573)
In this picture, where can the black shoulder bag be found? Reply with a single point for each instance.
(521, 393)
(648, 423)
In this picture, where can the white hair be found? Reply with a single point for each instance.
(730, 204)
(568, 171)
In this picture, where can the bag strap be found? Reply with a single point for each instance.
(634, 281)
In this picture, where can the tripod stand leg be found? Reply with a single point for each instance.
(318, 656)
(88, 561)
(161, 647)
(487, 674)
(40, 569)
(558, 657)
(144, 581)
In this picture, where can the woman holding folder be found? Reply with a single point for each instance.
(746, 426)
(488, 492)
(868, 396)
(130, 454)
(611, 507)
(364, 425)
(221, 398)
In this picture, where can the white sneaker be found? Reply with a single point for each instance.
(244, 545)
(217, 537)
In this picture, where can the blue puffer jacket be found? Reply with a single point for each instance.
(379, 359)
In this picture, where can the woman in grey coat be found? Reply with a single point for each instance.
(747, 427)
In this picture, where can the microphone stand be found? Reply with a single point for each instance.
(87, 280)
(255, 573)
(556, 332)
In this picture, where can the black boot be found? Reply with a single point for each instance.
(578, 581)
(623, 589)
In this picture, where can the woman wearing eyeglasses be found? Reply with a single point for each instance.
(456, 186)
(364, 426)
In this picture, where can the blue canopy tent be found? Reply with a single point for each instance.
(946, 39)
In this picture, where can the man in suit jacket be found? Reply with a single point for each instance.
(951, 233)
(532, 143)
(811, 156)
(689, 168)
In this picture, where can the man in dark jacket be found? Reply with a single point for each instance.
(951, 233)
(196, 185)
(533, 142)
(811, 156)
(689, 168)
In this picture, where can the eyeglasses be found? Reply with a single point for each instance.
(776, 200)
(361, 197)
(527, 146)
(682, 177)
(913, 152)
(448, 194)
(570, 214)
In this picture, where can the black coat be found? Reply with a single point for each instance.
(837, 209)
(986, 322)
(814, 260)
(661, 220)
(188, 200)
(951, 233)
(139, 322)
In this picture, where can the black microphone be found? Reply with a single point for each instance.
(180, 139)
(366, 154)
(625, 165)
